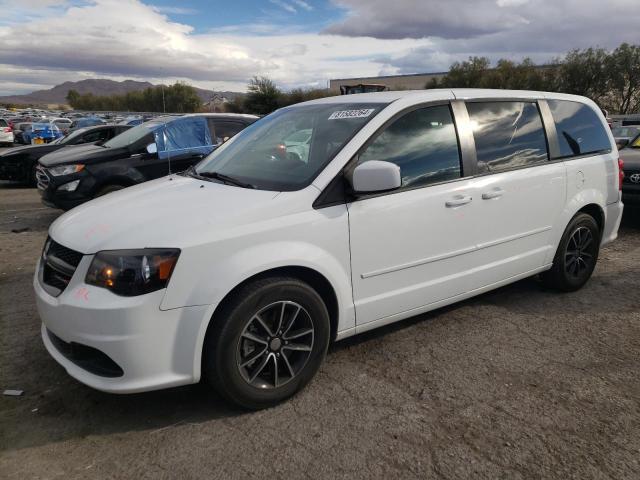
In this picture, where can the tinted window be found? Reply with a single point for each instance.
(98, 136)
(423, 143)
(3, 123)
(579, 128)
(507, 134)
(226, 130)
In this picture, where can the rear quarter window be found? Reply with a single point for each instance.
(580, 130)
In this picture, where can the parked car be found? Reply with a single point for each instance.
(242, 270)
(131, 121)
(623, 135)
(64, 124)
(43, 132)
(6, 133)
(631, 185)
(19, 130)
(150, 150)
(19, 163)
(86, 122)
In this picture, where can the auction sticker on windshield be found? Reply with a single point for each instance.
(365, 112)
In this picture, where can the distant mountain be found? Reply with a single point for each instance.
(97, 86)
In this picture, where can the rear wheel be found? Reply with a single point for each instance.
(576, 256)
(267, 342)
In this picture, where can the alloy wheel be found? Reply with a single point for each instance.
(580, 253)
(275, 345)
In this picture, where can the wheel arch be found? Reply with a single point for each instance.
(595, 211)
(314, 278)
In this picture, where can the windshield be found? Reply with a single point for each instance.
(266, 155)
(625, 131)
(132, 136)
(73, 135)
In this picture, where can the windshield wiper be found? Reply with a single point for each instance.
(224, 178)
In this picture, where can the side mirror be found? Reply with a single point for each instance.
(152, 148)
(376, 176)
(623, 142)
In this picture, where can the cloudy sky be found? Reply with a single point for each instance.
(221, 44)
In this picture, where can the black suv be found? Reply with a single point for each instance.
(151, 150)
(18, 164)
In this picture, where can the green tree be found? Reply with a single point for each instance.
(72, 98)
(584, 72)
(623, 68)
(263, 96)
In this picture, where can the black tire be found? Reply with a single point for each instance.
(575, 259)
(226, 339)
(109, 189)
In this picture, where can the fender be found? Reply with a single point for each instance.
(114, 172)
(226, 274)
(580, 199)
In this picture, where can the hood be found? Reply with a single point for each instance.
(29, 149)
(172, 212)
(89, 153)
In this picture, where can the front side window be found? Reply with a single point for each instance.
(507, 135)
(226, 130)
(264, 156)
(423, 143)
(580, 130)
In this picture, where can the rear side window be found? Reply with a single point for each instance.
(423, 143)
(579, 128)
(507, 135)
(3, 123)
(225, 130)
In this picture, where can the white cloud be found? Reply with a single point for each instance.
(511, 3)
(284, 5)
(122, 39)
(304, 5)
(126, 39)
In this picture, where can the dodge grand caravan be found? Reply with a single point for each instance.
(243, 269)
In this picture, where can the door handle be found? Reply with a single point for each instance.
(458, 200)
(495, 193)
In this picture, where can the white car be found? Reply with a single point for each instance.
(243, 270)
(6, 133)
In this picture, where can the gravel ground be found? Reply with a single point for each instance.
(517, 383)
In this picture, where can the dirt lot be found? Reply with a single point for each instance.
(517, 383)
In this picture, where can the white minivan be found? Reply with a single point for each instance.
(242, 270)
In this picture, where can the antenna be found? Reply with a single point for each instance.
(164, 139)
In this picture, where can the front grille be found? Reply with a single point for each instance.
(42, 178)
(58, 266)
(63, 253)
(88, 358)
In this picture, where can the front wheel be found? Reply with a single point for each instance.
(576, 256)
(267, 342)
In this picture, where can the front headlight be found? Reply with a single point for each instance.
(132, 272)
(65, 170)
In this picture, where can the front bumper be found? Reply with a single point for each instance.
(613, 217)
(51, 195)
(631, 193)
(153, 348)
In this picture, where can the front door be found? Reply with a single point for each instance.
(409, 247)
